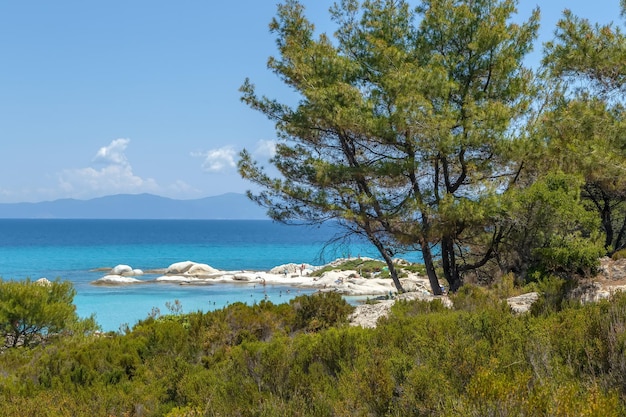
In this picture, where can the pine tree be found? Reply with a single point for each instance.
(405, 123)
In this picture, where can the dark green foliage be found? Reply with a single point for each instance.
(365, 267)
(475, 298)
(584, 126)
(620, 254)
(477, 359)
(31, 312)
(368, 268)
(320, 311)
(551, 232)
(404, 125)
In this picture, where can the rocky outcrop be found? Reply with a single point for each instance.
(367, 315)
(612, 270)
(116, 280)
(293, 269)
(521, 303)
(43, 281)
(125, 271)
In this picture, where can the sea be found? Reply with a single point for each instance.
(80, 251)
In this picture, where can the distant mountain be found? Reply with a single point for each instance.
(230, 206)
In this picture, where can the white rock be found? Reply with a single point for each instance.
(521, 303)
(201, 269)
(292, 269)
(116, 279)
(121, 270)
(175, 278)
(367, 315)
(180, 267)
(244, 277)
(43, 281)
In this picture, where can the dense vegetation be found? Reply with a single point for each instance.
(30, 312)
(416, 127)
(420, 125)
(300, 359)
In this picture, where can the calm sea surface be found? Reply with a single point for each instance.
(74, 249)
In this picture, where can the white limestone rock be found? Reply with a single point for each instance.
(201, 270)
(116, 280)
(43, 281)
(121, 270)
(521, 303)
(179, 267)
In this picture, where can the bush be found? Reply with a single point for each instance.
(620, 254)
(553, 292)
(320, 311)
(471, 297)
(32, 311)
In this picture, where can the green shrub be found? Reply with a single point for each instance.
(320, 311)
(30, 312)
(471, 297)
(553, 291)
(620, 254)
(570, 254)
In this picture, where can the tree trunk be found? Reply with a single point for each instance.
(607, 223)
(385, 254)
(430, 268)
(393, 271)
(450, 269)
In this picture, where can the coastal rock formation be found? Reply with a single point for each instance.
(201, 270)
(297, 275)
(116, 280)
(190, 268)
(43, 281)
(179, 267)
(293, 269)
(125, 271)
(120, 274)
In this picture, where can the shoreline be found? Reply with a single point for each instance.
(347, 282)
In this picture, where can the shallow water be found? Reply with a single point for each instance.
(74, 249)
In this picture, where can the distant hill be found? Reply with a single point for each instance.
(230, 206)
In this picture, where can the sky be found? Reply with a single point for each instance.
(118, 96)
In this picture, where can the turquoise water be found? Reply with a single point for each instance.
(74, 249)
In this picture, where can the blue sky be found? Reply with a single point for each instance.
(115, 96)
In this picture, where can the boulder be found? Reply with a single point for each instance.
(121, 270)
(243, 277)
(43, 281)
(367, 315)
(201, 269)
(521, 303)
(116, 280)
(613, 270)
(292, 269)
(179, 267)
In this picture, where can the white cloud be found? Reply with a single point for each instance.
(110, 179)
(108, 172)
(114, 153)
(217, 160)
(265, 148)
(115, 176)
(224, 159)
